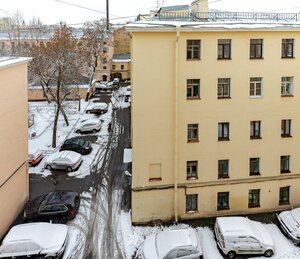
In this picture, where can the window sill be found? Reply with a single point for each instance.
(191, 211)
(192, 178)
(224, 58)
(255, 137)
(193, 59)
(285, 172)
(254, 58)
(284, 203)
(286, 135)
(225, 97)
(255, 96)
(223, 177)
(155, 179)
(288, 57)
(223, 208)
(223, 139)
(193, 141)
(287, 95)
(193, 98)
(255, 174)
(253, 206)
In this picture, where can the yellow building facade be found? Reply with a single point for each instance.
(14, 182)
(215, 119)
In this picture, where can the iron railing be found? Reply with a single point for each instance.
(226, 16)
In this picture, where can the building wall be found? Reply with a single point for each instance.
(13, 143)
(121, 41)
(153, 123)
(125, 72)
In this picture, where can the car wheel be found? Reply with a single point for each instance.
(78, 131)
(69, 169)
(268, 253)
(94, 130)
(63, 221)
(48, 167)
(231, 254)
(88, 112)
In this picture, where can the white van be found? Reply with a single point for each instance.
(240, 235)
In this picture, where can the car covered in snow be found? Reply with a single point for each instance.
(27, 240)
(35, 156)
(289, 222)
(98, 108)
(77, 144)
(64, 160)
(172, 243)
(240, 235)
(57, 206)
(92, 125)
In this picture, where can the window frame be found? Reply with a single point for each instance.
(222, 85)
(285, 44)
(224, 45)
(257, 84)
(223, 168)
(254, 166)
(255, 129)
(192, 84)
(193, 47)
(286, 128)
(221, 196)
(193, 127)
(283, 200)
(256, 48)
(193, 199)
(254, 202)
(191, 174)
(223, 131)
(287, 82)
(285, 164)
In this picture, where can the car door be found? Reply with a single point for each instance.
(61, 163)
(243, 245)
(255, 245)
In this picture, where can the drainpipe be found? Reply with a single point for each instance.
(176, 125)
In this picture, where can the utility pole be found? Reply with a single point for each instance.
(107, 15)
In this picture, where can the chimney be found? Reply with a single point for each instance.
(200, 8)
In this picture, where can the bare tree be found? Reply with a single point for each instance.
(56, 64)
(38, 31)
(93, 46)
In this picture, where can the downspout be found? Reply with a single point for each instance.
(176, 124)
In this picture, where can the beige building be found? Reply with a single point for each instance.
(121, 66)
(215, 118)
(13, 140)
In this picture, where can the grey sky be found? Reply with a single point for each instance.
(53, 11)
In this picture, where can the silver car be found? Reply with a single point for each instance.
(92, 125)
(64, 160)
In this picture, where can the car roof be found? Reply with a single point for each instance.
(93, 121)
(66, 154)
(231, 226)
(100, 105)
(169, 239)
(61, 197)
(41, 233)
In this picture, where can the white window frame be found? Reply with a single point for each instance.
(255, 81)
(287, 82)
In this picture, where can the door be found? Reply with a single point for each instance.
(255, 245)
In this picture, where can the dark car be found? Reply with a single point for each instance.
(57, 206)
(78, 145)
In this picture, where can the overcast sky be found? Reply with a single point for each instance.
(54, 11)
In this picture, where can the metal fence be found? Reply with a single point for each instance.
(226, 16)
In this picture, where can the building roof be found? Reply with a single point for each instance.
(174, 8)
(121, 57)
(10, 61)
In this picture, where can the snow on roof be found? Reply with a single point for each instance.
(211, 25)
(174, 8)
(121, 60)
(10, 61)
(234, 226)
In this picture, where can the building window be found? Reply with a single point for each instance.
(285, 164)
(193, 87)
(224, 49)
(223, 131)
(284, 195)
(223, 201)
(104, 61)
(191, 170)
(113, 67)
(192, 132)
(255, 86)
(104, 49)
(287, 48)
(254, 166)
(192, 203)
(256, 48)
(193, 49)
(286, 128)
(254, 199)
(122, 66)
(224, 88)
(287, 86)
(255, 130)
(104, 67)
(223, 169)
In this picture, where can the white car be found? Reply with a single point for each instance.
(31, 239)
(64, 160)
(172, 243)
(92, 125)
(290, 223)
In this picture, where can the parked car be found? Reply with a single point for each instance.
(65, 160)
(78, 145)
(57, 206)
(92, 125)
(35, 156)
(240, 235)
(289, 222)
(172, 243)
(25, 240)
(116, 81)
(98, 108)
(101, 87)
